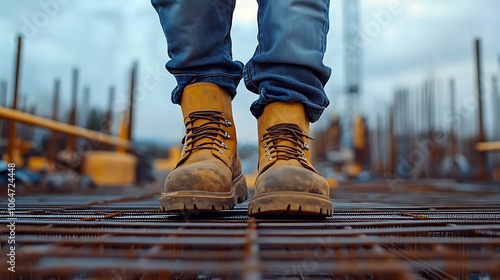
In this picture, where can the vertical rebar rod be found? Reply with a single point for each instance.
(3, 103)
(12, 124)
(378, 151)
(71, 144)
(3, 94)
(479, 90)
(55, 116)
(453, 137)
(85, 107)
(432, 126)
(133, 77)
(392, 142)
(499, 63)
(496, 106)
(427, 117)
(109, 114)
(496, 115)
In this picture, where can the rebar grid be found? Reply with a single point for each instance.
(429, 230)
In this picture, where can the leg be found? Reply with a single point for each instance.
(287, 72)
(288, 62)
(199, 43)
(208, 175)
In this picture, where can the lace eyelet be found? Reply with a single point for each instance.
(221, 151)
(223, 145)
(271, 158)
(228, 123)
(306, 146)
(265, 146)
(227, 136)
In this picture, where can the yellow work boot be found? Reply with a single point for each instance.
(287, 182)
(208, 175)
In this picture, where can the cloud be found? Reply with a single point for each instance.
(245, 12)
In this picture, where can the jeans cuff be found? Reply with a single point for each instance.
(228, 83)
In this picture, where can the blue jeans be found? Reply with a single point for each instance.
(287, 64)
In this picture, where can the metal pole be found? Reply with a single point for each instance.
(499, 63)
(453, 137)
(16, 116)
(12, 125)
(432, 123)
(3, 94)
(85, 107)
(479, 89)
(109, 117)
(496, 106)
(71, 144)
(392, 142)
(133, 77)
(3, 103)
(55, 111)
(488, 146)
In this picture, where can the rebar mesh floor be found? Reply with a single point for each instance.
(417, 230)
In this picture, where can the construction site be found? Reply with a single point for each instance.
(415, 183)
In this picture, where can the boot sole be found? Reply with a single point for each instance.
(290, 203)
(182, 201)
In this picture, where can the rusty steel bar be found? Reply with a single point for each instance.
(488, 146)
(55, 116)
(12, 125)
(71, 143)
(3, 94)
(3, 103)
(496, 106)
(85, 110)
(426, 229)
(109, 113)
(453, 136)
(482, 174)
(133, 78)
(75, 131)
(392, 137)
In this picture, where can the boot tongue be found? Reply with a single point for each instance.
(200, 98)
(283, 113)
(204, 97)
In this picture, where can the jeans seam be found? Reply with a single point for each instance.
(233, 5)
(325, 31)
(257, 51)
(250, 79)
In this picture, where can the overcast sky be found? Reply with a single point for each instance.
(103, 38)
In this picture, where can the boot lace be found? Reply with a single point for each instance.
(285, 132)
(212, 129)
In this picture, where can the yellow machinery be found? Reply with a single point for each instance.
(109, 168)
(491, 147)
(174, 155)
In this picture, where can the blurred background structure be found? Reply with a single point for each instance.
(404, 90)
(410, 146)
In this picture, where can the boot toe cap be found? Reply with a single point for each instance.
(201, 176)
(291, 178)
